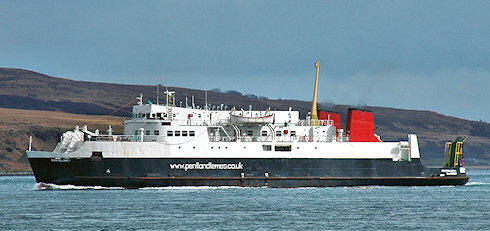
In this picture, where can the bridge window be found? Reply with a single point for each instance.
(282, 148)
(184, 133)
(156, 132)
(293, 133)
(264, 133)
(266, 147)
(250, 133)
(170, 133)
(177, 133)
(192, 133)
(147, 132)
(278, 133)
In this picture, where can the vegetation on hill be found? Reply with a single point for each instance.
(22, 89)
(16, 125)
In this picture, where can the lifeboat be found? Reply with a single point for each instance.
(236, 118)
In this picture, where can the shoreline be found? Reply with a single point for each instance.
(16, 174)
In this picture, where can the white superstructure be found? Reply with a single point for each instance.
(168, 131)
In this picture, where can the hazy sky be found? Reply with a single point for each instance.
(430, 55)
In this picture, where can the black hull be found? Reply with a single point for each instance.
(296, 172)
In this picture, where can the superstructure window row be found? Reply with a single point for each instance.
(158, 115)
(181, 133)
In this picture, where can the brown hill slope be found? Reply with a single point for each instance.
(45, 127)
(30, 90)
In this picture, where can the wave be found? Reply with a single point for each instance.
(43, 186)
(478, 184)
(195, 187)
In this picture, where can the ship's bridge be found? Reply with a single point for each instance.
(164, 122)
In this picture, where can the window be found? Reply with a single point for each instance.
(165, 123)
(293, 133)
(147, 132)
(264, 133)
(159, 115)
(184, 133)
(250, 133)
(95, 153)
(156, 132)
(266, 147)
(96, 156)
(135, 132)
(147, 115)
(170, 133)
(192, 133)
(177, 133)
(278, 133)
(282, 148)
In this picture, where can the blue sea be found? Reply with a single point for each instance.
(24, 205)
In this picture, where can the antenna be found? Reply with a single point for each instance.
(140, 99)
(206, 99)
(157, 92)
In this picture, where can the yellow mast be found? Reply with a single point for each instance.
(314, 113)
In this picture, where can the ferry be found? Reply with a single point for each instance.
(168, 145)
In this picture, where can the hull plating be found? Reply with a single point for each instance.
(136, 173)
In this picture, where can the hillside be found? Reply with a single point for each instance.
(16, 125)
(22, 89)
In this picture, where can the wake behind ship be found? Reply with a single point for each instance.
(166, 145)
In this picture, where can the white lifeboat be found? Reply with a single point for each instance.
(239, 118)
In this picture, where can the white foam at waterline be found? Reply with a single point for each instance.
(196, 187)
(42, 186)
(477, 183)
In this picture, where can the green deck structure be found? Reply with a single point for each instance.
(453, 153)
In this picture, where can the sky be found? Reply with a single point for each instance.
(424, 55)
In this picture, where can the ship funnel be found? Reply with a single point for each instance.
(314, 113)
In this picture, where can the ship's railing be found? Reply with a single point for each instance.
(127, 138)
(280, 139)
(309, 122)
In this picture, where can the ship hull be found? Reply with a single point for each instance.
(244, 172)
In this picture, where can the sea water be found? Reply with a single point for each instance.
(24, 205)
